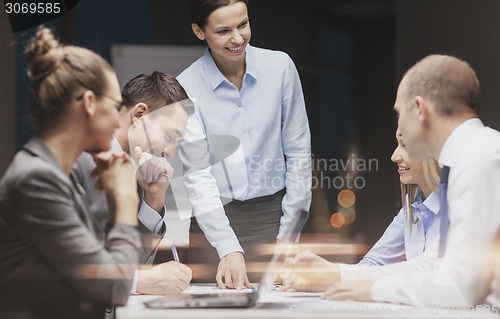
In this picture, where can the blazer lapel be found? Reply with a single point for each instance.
(78, 193)
(36, 147)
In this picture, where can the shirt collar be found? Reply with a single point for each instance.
(115, 146)
(431, 202)
(215, 76)
(459, 137)
(252, 61)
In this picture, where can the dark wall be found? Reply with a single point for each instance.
(7, 92)
(468, 29)
(170, 23)
(375, 127)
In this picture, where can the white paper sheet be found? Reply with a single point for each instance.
(210, 289)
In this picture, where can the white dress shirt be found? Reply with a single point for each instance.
(405, 246)
(463, 277)
(202, 192)
(147, 215)
(267, 127)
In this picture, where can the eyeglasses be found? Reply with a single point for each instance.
(119, 103)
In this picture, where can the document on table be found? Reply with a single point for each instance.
(209, 289)
(289, 296)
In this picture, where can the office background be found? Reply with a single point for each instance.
(350, 55)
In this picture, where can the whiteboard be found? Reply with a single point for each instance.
(130, 60)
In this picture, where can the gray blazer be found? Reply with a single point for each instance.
(51, 263)
(98, 208)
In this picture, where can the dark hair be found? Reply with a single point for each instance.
(56, 72)
(199, 10)
(155, 90)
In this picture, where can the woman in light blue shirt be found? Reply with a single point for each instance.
(414, 228)
(250, 99)
(408, 244)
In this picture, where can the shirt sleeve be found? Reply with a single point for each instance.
(151, 219)
(388, 257)
(464, 274)
(390, 248)
(133, 290)
(426, 262)
(202, 191)
(296, 139)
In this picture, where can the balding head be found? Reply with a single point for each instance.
(447, 81)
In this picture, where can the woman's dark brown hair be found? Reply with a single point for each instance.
(199, 10)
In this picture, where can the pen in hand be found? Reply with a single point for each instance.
(174, 252)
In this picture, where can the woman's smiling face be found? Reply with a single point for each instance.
(409, 172)
(227, 33)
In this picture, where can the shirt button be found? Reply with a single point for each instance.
(247, 161)
(240, 104)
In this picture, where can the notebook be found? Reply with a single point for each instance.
(235, 299)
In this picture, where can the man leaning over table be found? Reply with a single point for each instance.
(153, 120)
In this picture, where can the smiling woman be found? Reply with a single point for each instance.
(254, 95)
(227, 33)
(409, 243)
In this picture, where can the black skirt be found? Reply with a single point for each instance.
(256, 224)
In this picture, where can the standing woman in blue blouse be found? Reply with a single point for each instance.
(409, 244)
(252, 96)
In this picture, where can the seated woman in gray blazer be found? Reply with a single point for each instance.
(51, 263)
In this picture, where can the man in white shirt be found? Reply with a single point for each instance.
(438, 103)
(152, 121)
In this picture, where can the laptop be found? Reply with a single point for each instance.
(235, 299)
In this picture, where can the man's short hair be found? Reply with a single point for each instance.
(155, 90)
(448, 81)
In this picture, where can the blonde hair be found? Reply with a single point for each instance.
(431, 172)
(56, 72)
